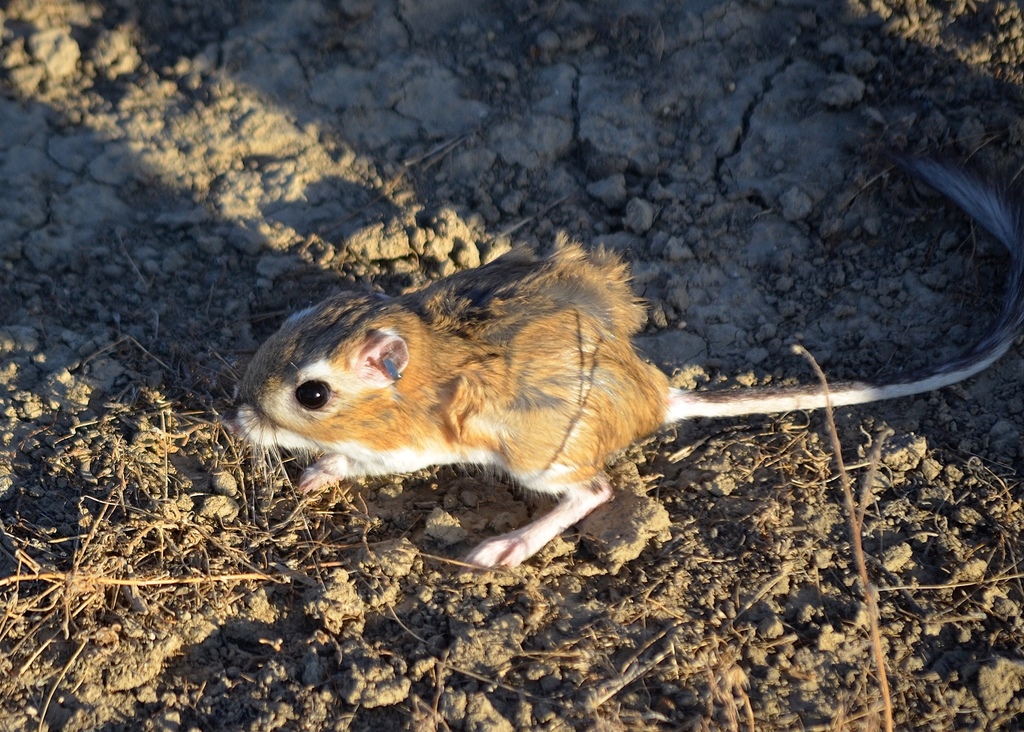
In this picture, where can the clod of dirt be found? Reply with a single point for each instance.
(337, 606)
(114, 53)
(639, 216)
(483, 650)
(904, 452)
(998, 682)
(481, 716)
(368, 679)
(131, 669)
(444, 528)
(376, 242)
(844, 91)
(57, 51)
(619, 533)
(382, 568)
(796, 205)
(610, 191)
(219, 508)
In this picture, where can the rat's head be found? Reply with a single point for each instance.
(317, 369)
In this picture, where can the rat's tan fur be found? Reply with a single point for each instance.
(526, 358)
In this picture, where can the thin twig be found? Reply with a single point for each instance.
(71, 578)
(634, 669)
(869, 590)
(56, 683)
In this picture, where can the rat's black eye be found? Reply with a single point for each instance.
(313, 394)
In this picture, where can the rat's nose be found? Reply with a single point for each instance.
(235, 421)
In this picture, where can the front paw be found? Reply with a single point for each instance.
(324, 472)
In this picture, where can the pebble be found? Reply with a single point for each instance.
(843, 92)
(796, 205)
(548, 41)
(220, 508)
(376, 242)
(860, 62)
(677, 250)
(57, 51)
(444, 528)
(610, 191)
(639, 216)
(970, 135)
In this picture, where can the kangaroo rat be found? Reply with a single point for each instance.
(526, 364)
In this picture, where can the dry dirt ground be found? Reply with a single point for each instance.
(178, 175)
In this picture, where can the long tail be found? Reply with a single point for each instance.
(992, 207)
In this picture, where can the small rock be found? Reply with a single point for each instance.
(6, 484)
(548, 41)
(483, 715)
(639, 216)
(835, 45)
(756, 355)
(497, 247)
(314, 668)
(224, 484)
(771, 627)
(904, 452)
(844, 91)
(337, 606)
(1004, 438)
(998, 681)
(676, 250)
(219, 508)
(897, 556)
(114, 54)
(930, 469)
(610, 191)
(621, 532)
(512, 203)
(57, 51)
(115, 165)
(796, 205)
(830, 639)
(369, 681)
(970, 134)
(860, 62)
(393, 558)
(444, 528)
(374, 242)
(466, 254)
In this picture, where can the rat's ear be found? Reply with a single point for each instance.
(382, 359)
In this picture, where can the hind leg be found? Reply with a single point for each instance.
(515, 547)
